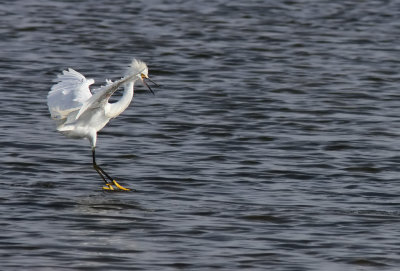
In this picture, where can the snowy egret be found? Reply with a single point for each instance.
(80, 114)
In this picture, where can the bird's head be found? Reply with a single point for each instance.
(140, 68)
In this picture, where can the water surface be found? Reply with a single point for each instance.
(271, 145)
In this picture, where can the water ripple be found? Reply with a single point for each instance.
(270, 145)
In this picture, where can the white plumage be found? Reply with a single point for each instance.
(69, 94)
(80, 114)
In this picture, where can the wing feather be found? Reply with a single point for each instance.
(69, 94)
(103, 93)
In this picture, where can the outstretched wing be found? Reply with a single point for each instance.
(104, 93)
(69, 94)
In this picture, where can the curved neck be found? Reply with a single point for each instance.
(114, 109)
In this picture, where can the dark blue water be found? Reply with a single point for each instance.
(273, 143)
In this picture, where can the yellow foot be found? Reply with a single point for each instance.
(119, 186)
(108, 187)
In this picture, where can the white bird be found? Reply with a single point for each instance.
(80, 114)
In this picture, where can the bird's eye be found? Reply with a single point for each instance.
(143, 76)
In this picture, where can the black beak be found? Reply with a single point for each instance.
(144, 82)
(147, 85)
(157, 85)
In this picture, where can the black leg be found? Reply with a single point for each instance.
(98, 169)
(104, 175)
